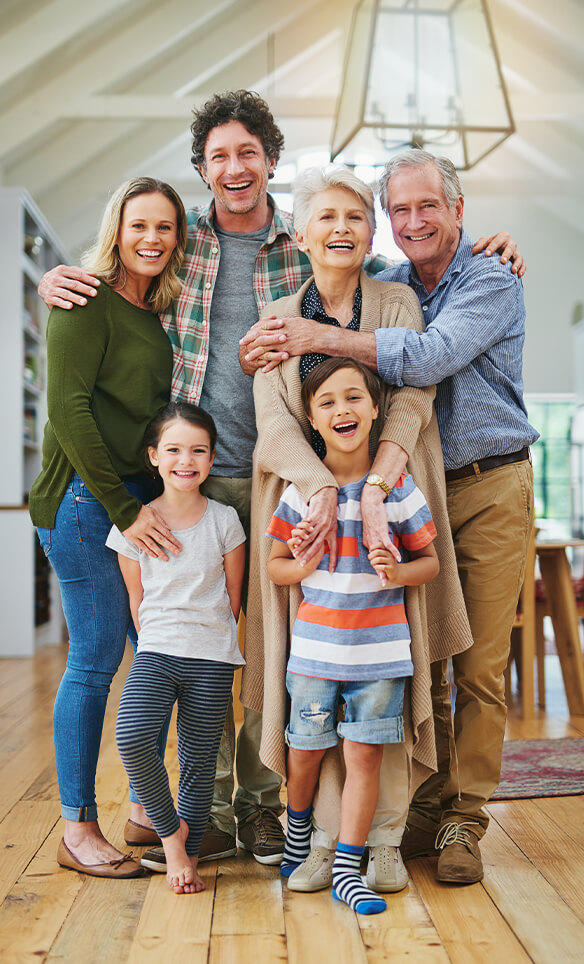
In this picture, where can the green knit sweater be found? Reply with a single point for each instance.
(109, 371)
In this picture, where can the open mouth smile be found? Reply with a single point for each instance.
(238, 186)
(340, 246)
(419, 237)
(148, 255)
(345, 429)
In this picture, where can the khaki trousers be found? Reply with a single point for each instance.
(257, 785)
(491, 517)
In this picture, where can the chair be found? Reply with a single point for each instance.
(542, 608)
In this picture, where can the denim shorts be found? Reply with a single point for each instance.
(373, 711)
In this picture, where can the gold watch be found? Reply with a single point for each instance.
(377, 480)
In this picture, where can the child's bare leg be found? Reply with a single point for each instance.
(302, 768)
(302, 772)
(181, 870)
(363, 762)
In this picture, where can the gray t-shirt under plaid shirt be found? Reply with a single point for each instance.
(185, 610)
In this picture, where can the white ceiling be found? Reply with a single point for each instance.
(93, 93)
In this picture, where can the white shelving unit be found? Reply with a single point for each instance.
(29, 593)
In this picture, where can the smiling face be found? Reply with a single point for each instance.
(343, 411)
(183, 455)
(338, 234)
(147, 235)
(425, 228)
(237, 171)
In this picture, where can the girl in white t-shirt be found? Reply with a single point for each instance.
(185, 610)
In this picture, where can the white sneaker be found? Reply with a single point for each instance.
(314, 873)
(385, 871)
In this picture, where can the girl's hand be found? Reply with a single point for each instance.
(385, 565)
(151, 533)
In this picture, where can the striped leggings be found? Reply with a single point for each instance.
(202, 690)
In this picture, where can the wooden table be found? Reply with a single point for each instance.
(557, 578)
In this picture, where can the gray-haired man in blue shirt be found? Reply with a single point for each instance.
(472, 348)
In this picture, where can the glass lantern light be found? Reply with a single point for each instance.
(421, 73)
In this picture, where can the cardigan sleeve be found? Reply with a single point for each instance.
(282, 447)
(411, 408)
(76, 345)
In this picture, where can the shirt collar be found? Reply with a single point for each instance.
(463, 252)
(277, 225)
(312, 305)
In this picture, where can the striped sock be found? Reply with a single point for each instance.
(348, 885)
(297, 840)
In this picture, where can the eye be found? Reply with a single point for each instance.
(137, 225)
(165, 227)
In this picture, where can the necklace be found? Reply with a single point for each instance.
(132, 299)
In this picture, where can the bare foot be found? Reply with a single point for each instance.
(181, 870)
(139, 815)
(87, 843)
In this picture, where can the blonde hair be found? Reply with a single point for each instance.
(316, 179)
(103, 257)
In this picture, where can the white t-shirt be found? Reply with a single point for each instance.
(185, 610)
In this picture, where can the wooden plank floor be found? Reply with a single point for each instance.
(530, 906)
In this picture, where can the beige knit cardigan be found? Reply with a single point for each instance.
(283, 454)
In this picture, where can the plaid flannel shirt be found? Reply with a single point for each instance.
(280, 269)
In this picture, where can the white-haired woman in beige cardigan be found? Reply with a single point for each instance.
(335, 221)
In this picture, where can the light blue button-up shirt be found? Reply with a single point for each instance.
(472, 350)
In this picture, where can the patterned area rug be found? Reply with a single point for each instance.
(541, 768)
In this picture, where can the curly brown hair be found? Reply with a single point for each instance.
(244, 106)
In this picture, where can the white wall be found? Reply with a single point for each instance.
(554, 283)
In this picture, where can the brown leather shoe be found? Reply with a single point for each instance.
(418, 843)
(137, 835)
(123, 867)
(460, 861)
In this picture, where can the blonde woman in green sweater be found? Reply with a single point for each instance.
(109, 370)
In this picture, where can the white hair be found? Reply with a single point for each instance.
(314, 180)
(418, 158)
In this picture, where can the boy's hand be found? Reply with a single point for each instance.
(322, 516)
(300, 537)
(385, 564)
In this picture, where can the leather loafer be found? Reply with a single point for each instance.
(137, 835)
(120, 868)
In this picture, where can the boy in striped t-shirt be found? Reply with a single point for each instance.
(350, 640)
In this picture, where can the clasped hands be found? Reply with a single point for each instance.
(318, 528)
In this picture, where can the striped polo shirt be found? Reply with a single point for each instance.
(349, 626)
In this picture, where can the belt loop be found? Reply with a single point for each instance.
(477, 469)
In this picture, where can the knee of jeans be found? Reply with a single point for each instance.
(97, 681)
(315, 714)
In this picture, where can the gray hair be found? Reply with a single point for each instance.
(316, 179)
(417, 158)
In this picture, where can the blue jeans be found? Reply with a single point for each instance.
(95, 603)
(373, 711)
